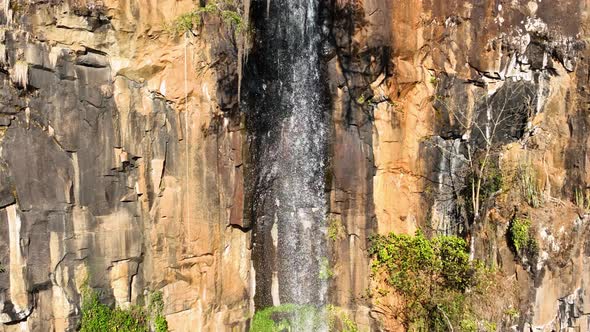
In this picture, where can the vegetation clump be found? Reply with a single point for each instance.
(287, 317)
(521, 238)
(97, 316)
(297, 317)
(226, 10)
(582, 198)
(528, 185)
(155, 309)
(434, 279)
(336, 230)
(338, 320)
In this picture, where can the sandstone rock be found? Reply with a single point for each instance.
(123, 152)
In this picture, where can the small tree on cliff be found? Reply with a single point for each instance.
(497, 119)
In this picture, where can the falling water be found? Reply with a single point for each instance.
(288, 132)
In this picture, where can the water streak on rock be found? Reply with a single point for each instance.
(288, 134)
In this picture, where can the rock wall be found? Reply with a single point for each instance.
(121, 165)
(122, 149)
(456, 61)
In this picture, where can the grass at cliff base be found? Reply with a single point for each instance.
(297, 317)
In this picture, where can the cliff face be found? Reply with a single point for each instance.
(518, 69)
(118, 167)
(123, 149)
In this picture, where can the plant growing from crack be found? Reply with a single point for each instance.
(228, 11)
(336, 230)
(582, 199)
(155, 309)
(522, 239)
(527, 179)
(325, 271)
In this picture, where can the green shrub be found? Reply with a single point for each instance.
(155, 308)
(288, 317)
(512, 313)
(156, 304)
(468, 325)
(522, 238)
(335, 230)
(519, 233)
(161, 324)
(227, 11)
(473, 325)
(338, 320)
(297, 317)
(431, 276)
(97, 316)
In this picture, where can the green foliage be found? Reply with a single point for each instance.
(100, 317)
(338, 320)
(512, 313)
(325, 272)
(155, 308)
(97, 316)
(522, 238)
(335, 230)
(470, 324)
(186, 22)
(527, 179)
(431, 276)
(296, 317)
(161, 324)
(490, 326)
(519, 233)
(582, 199)
(288, 316)
(156, 304)
(361, 99)
(231, 18)
(226, 10)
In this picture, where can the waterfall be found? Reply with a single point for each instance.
(287, 123)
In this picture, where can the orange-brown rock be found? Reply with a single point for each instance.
(122, 149)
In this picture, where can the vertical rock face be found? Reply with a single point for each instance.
(457, 62)
(129, 161)
(287, 122)
(119, 166)
(357, 58)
